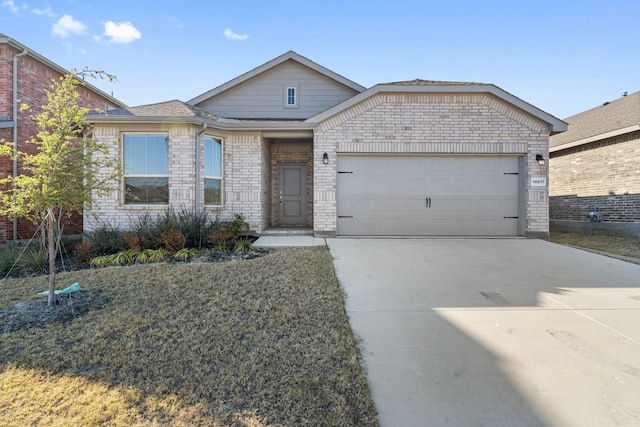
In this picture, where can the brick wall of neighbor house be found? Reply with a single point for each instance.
(290, 152)
(426, 124)
(602, 176)
(33, 78)
(244, 179)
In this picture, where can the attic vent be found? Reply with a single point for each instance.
(606, 103)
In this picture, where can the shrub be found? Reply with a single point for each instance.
(238, 225)
(155, 255)
(125, 257)
(144, 226)
(83, 252)
(196, 226)
(9, 257)
(35, 260)
(106, 240)
(243, 245)
(221, 237)
(185, 253)
(102, 261)
(133, 241)
(173, 240)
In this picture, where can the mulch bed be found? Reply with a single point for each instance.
(37, 314)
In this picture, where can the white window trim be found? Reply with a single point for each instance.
(205, 177)
(295, 97)
(125, 175)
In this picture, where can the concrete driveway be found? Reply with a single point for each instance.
(494, 332)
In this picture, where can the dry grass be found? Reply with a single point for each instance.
(619, 246)
(251, 343)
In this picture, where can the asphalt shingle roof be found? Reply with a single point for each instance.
(170, 109)
(610, 116)
(420, 82)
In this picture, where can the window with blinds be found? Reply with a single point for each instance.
(212, 171)
(146, 168)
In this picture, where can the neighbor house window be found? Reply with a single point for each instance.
(212, 171)
(146, 168)
(291, 96)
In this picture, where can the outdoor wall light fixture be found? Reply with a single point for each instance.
(325, 158)
(541, 161)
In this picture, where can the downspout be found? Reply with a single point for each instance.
(198, 144)
(15, 130)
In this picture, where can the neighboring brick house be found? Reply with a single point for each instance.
(595, 167)
(24, 75)
(295, 147)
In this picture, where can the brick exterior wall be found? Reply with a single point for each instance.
(602, 175)
(387, 123)
(293, 152)
(245, 177)
(431, 124)
(33, 78)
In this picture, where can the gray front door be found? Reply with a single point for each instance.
(292, 193)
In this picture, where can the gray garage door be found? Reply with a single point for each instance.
(396, 195)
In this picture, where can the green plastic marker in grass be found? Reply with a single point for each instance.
(73, 288)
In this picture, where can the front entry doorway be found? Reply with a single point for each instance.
(292, 193)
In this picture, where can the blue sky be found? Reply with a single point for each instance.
(563, 56)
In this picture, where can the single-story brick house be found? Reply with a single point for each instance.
(24, 76)
(294, 146)
(595, 167)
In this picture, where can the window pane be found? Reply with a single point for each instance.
(212, 193)
(291, 96)
(212, 157)
(146, 154)
(147, 191)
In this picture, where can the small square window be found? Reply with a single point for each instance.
(291, 97)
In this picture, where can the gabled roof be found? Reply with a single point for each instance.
(176, 111)
(4, 39)
(605, 121)
(289, 56)
(173, 110)
(430, 86)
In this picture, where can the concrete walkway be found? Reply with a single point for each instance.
(495, 332)
(282, 241)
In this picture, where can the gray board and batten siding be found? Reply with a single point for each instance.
(265, 97)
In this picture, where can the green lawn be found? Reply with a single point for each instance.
(251, 343)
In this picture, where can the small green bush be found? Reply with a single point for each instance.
(101, 261)
(185, 253)
(35, 259)
(9, 257)
(238, 225)
(243, 245)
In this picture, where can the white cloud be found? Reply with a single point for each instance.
(234, 36)
(45, 12)
(123, 32)
(11, 5)
(67, 26)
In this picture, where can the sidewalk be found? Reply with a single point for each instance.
(284, 241)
